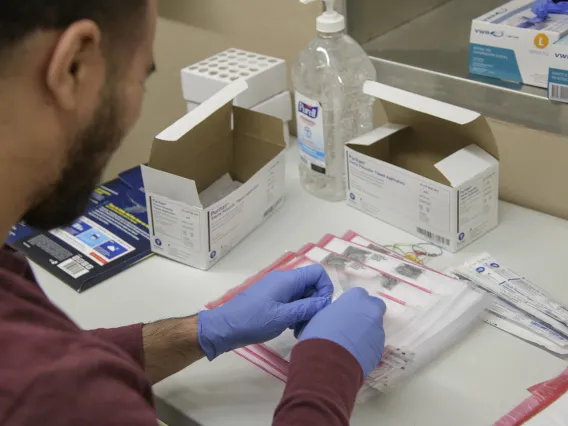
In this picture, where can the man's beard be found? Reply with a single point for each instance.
(67, 199)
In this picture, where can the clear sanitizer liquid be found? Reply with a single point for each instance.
(331, 108)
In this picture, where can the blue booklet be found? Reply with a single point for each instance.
(112, 235)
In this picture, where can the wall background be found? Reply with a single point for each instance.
(191, 30)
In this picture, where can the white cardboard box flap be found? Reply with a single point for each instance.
(420, 103)
(234, 158)
(174, 187)
(377, 134)
(462, 165)
(277, 106)
(199, 114)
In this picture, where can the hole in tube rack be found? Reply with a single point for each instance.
(253, 69)
(213, 65)
(202, 69)
(262, 64)
(223, 67)
(271, 60)
(234, 77)
(242, 66)
(193, 67)
(232, 64)
(233, 71)
(232, 57)
(213, 72)
(261, 58)
(245, 74)
(223, 75)
(241, 53)
(222, 60)
(251, 55)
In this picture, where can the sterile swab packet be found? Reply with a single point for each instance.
(517, 289)
(511, 319)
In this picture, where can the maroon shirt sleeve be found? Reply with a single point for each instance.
(54, 374)
(323, 381)
(128, 338)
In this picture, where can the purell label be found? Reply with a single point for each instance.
(310, 111)
(310, 133)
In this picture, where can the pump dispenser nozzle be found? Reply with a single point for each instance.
(330, 21)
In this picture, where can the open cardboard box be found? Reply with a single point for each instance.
(431, 171)
(199, 154)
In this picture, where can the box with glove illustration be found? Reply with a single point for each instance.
(518, 41)
(111, 236)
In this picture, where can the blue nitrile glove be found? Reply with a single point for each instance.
(264, 311)
(542, 8)
(355, 322)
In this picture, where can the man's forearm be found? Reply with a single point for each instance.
(170, 346)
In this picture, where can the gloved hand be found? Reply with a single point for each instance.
(355, 322)
(261, 313)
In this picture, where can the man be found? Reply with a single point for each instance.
(71, 85)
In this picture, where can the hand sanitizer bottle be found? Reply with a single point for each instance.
(331, 107)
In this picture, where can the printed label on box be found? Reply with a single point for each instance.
(311, 137)
(558, 85)
(494, 62)
(230, 220)
(177, 226)
(400, 198)
(477, 208)
(93, 241)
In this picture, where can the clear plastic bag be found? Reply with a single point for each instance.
(427, 312)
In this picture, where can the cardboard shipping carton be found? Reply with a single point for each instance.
(209, 186)
(431, 171)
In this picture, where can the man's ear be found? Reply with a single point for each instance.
(77, 64)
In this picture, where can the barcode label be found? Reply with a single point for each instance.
(558, 92)
(433, 237)
(73, 268)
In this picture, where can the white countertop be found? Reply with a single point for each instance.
(474, 384)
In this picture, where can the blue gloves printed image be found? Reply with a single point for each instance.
(261, 313)
(299, 299)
